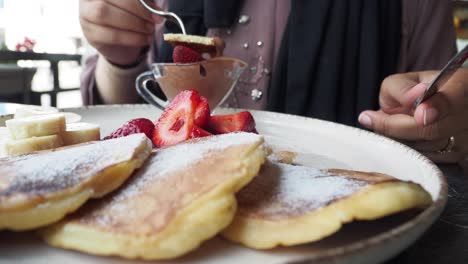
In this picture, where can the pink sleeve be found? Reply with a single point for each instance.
(428, 35)
(87, 82)
(88, 87)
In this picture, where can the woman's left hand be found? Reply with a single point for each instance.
(438, 127)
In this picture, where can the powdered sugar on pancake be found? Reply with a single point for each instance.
(163, 168)
(52, 170)
(283, 190)
(180, 156)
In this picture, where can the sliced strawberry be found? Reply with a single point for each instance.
(221, 124)
(134, 126)
(176, 122)
(202, 113)
(182, 54)
(198, 132)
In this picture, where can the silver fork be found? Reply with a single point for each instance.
(168, 15)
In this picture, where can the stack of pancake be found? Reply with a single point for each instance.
(165, 203)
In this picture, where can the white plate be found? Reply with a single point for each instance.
(323, 144)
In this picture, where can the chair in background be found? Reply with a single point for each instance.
(54, 59)
(15, 84)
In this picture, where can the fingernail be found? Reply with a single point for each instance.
(365, 120)
(430, 116)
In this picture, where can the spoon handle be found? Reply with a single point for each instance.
(168, 15)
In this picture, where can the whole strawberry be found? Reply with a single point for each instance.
(134, 126)
(182, 54)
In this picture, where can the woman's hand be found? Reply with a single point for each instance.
(118, 29)
(430, 127)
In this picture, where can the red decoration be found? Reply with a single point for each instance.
(27, 45)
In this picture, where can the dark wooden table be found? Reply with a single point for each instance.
(54, 59)
(447, 240)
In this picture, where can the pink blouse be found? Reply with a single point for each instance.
(428, 42)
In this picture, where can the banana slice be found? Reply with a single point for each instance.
(71, 117)
(35, 111)
(36, 126)
(80, 132)
(4, 137)
(4, 132)
(28, 145)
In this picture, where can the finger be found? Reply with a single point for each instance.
(102, 13)
(98, 34)
(452, 98)
(158, 19)
(399, 91)
(135, 7)
(428, 146)
(408, 99)
(394, 87)
(405, 127)
(396, 126)
(451, 157)
(457, 154)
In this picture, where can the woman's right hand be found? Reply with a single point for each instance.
(118, 29)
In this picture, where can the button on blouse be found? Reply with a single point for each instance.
(253, 40)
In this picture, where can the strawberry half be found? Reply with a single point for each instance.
(198, 132)
(182, 54)
(177, 121)
(202, 113)
(134, 126)
(221, 124)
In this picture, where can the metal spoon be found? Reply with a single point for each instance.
(168, 15)
(445, 74)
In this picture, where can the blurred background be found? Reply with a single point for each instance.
(42, 49)
(41, 52)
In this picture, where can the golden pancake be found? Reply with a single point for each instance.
(289, 205)
(41, 188)
(182, 196)
(282, 156)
